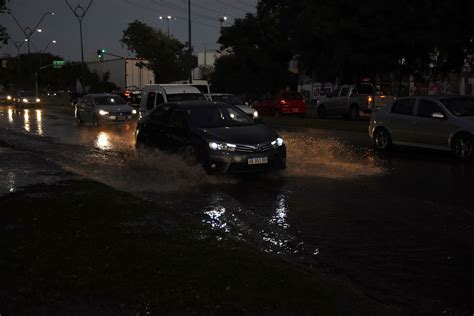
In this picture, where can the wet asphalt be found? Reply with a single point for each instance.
(400, 226)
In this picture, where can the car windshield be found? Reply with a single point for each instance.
(27, 94)
(109, 100)
(185, 97)
(230, 99)
(459, 106)
(217, 116)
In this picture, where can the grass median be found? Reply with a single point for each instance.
(80, 246)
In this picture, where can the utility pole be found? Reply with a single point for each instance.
(18, 45)
(190, 47)
(29, 32)
(80, 13)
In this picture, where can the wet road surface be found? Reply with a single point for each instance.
(401, 227)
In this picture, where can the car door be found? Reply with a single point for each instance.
(330, 103)
(431, 131)
(177, 131)
(155, 129)
(400, 120)
(340, 103)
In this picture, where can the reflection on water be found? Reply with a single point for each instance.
(281, 212)
(39, 121)
(103, 141)
(26, 120)
(10, 116)
(11, 181)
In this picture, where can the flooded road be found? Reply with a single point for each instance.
(399, 227)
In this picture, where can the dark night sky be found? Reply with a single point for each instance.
(106, 20)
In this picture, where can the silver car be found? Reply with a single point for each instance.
(236, 101)
(436, 122)
(103, 108)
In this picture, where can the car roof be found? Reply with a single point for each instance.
(102, 95)
(194, 104)
(172, 88)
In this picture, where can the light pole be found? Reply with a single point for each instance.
(29, 32)
(222, 19)
(41, 62)
(80, 13)
(167, 18)
(190, 47)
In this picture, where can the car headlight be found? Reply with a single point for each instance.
(38, 100)
(102, 112)
(25, 100)
(134, 111)
(9, 97)
(222, 146)
(255, 115)
(278, 142)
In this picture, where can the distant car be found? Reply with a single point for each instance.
(132, 95)
(237, 101)
(441, 122)
(26, 98)
(350, 101)
(103, 108)
(6, 98)
(285, 103)
(221, 137)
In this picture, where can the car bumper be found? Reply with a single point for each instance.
(238, 162)
(113, 119)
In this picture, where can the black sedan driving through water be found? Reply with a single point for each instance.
(220, 136)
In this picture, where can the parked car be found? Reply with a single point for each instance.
(220, 136)
(442, 122)
(156, 94)
(285, 103)
(350, 101)
(26, 98)
(237, 101)
(103, 108)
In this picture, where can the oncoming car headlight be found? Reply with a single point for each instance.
(102, 112)
(134, 111)
(255, 115)
(222, 146)
(25, 100)
(9, 97)
(278, 142)
(38, 100)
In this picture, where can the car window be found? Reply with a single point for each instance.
(344, 92)
(217, 116)
(150, 101)
(109, 100)
(185, 97)
(426, 108)
(161, 114)
(404, 107)
(335, 93)
(459, 106)
(160, 99)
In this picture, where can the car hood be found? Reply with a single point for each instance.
(245, 135)
(114, 108)
(246, 109)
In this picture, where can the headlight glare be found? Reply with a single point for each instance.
(102, 112)
(38, 100)
(255, 115)
(278, 142)
(134, 111)
(222, 146)
(9, 97)
(25, 100)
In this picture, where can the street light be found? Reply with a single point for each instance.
(222, 19)
(47, 46)
(29, 32)
(80, 13)
(167, 18)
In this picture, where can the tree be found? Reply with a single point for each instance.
(166, 55)
(3, 30)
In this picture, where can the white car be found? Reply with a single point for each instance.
(237, 101)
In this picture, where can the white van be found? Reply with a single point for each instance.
(156, 94)
(202, 85)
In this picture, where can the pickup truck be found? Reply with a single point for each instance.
(351, 101)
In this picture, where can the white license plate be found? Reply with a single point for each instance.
(258, 161)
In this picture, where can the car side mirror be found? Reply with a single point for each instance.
(438, 115)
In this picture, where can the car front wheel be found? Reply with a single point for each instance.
(463, 146)
(382, 139)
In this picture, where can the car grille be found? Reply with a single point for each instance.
(254, 148)
(120, 113)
